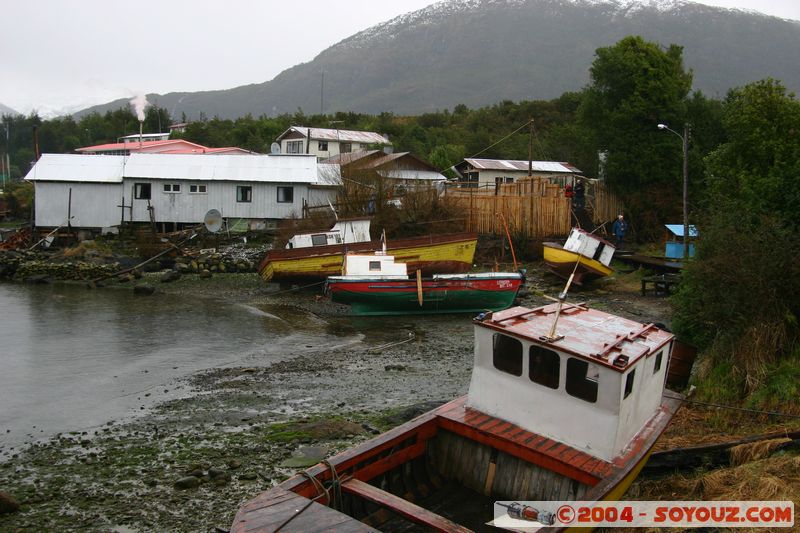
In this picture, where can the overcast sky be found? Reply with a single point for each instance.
(64, 55)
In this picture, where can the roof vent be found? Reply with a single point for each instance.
(621, 361)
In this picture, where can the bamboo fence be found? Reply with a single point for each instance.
(532, 207)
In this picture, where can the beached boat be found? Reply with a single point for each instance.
(565, 403)
(446, 254)
(584, 254)
(374, 284)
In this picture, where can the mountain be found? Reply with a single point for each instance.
(5, 110)
(479, 52)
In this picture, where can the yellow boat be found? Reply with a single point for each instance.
(433, 254)
(584, 254)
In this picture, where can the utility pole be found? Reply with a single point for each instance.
(686, 130)
(530, 147)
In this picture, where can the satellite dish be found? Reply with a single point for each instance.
(213, 221)
(275, 148)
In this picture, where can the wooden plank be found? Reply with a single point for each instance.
(520, 451)
(402, 507)
(390, 462)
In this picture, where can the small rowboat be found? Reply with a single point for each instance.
(565, 403)
(585, 254)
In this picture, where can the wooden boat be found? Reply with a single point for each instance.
(374, 284)
(564, 403)
(584, 254)
(447, 253)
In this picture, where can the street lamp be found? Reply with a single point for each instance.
(685, 140)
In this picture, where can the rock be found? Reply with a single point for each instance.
(247, 476)
(170, 276)
(205, 274)
(144, 289)
(8, 504)
(188, 482)
(394, 367)
(233, 464)
(305, 456)
(219, 476)
(38, 279)
(197, 472)
(214, 473)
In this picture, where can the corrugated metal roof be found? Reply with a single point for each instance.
(677, 229)
(509, 164)
(329, 174)
(112, 168)
(422, 175)
(77, 168)
(326, 134)
(135, 145)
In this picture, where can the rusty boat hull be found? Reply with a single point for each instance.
(432, 254)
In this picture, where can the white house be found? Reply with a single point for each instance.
(99, 192)
(325, 143)
(492, 172)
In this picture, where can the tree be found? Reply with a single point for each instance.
(636, 85)
(740, 298)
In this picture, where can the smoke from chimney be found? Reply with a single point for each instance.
(139, 103)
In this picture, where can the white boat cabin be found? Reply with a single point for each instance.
(343, 232)
(590, 246)
(377, 265)
(594, 385)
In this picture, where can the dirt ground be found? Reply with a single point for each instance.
(188, 464)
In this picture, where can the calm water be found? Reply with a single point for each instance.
(72, 359)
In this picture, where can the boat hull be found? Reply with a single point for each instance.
(443, 254)
(457, 294)
(563, 263)
(452, 448)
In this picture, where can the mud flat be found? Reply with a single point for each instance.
(188, 463)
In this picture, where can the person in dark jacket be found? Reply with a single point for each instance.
(619, 229)
(579, 195)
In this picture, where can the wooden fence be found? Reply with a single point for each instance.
(532, 207)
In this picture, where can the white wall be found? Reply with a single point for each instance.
(187, 207)
(94, 205)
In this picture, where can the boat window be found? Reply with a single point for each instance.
(657, 366)
(629, 384)
(507, 354)
(319, 240)
(598, 252)
(544, 366)
(582, 380)
(374, 266)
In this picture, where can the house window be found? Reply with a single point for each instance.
(285, 195)
(197, 189)
(374, 266)
(544, 366)
(582, 380)
(141, 191)
(294, 147)
(172, 187)
(244, 193)
(319, 240)
(346, 147)
(507, 354)
(629, 384)
(322, 146)
(657, 366)
(471, 181)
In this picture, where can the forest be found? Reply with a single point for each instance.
(740, 297)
